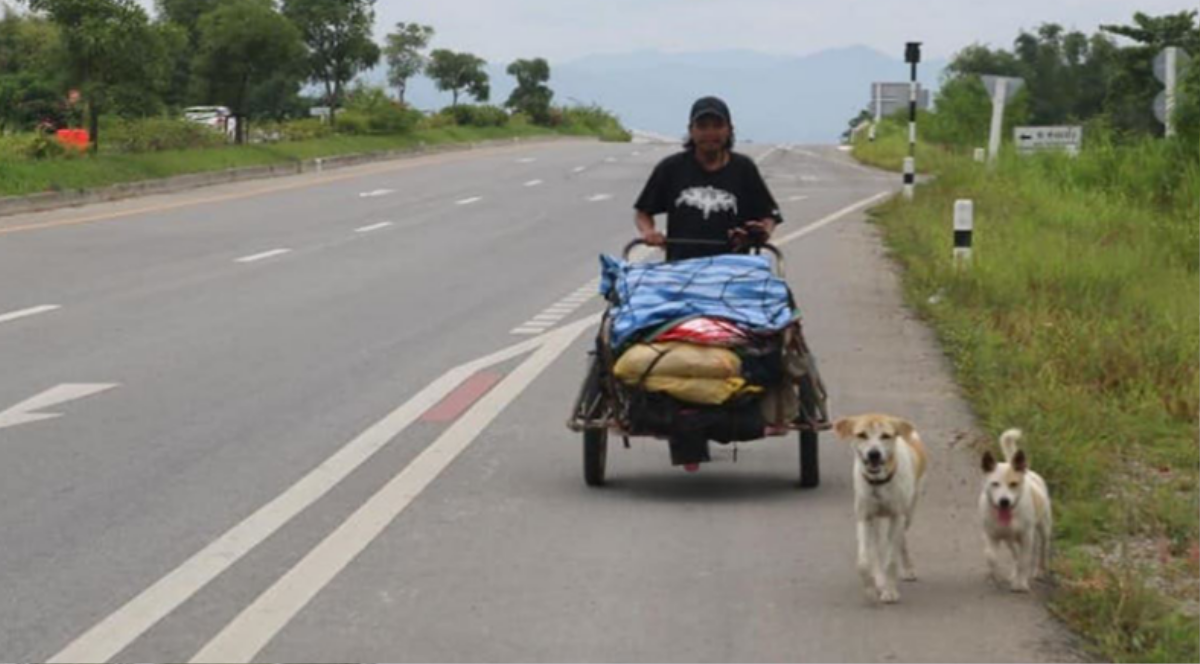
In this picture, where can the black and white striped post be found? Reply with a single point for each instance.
(912, 55)
(964, 226)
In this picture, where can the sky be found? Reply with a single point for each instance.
(563, 30)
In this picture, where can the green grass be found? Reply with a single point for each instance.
(1078, 320)
(24, 176)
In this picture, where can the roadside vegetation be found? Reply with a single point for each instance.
(1078, 316)
(106, 67)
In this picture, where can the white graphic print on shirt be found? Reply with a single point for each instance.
(708, 200)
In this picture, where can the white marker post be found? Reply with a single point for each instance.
(964, 226)
(910, 176)
(878, 110)
(980, 155)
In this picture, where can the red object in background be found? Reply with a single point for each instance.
(707, 332)
(73, 138)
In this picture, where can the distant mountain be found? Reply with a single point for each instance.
(772, 98)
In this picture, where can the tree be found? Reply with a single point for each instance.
(186, 14)
(107, 43)
(32, 87)
(531, 96)
(403, 53)
(244, 43)
(1133, 86)
(338, 35)
(454, 72)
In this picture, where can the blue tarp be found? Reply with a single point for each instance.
(739, 288)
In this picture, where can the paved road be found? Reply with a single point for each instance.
(321, 419)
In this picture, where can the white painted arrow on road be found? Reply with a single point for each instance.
(24, 412)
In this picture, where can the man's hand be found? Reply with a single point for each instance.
(752, 232)
(762, 227)
(654, 238)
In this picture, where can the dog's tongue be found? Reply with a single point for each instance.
(1005, 515)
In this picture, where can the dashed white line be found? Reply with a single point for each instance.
(376, 192)
(112, 634)
(373, 227)
(243, 638)
(579, 169)
(468, 201)
(610, 160)
(796, 198)
(266, 254)
(25, 313)
(526, 160)
(533, 183)
(599, 197)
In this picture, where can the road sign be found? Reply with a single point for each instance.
(888, 98)
(1160, 62)
(1038, 139)
(1012, 84)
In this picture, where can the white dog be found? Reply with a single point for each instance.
(1015, 508)
(889, 467)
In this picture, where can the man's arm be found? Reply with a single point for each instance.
(645, 226)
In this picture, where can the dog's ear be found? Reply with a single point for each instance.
(1020, 463)
(989, 462)
(904, 428)
(844, 427)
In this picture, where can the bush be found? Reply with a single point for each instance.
(589, 120)
(380, 114)
(481, 115)
(355, 123)
(304, 130)
(157, 134)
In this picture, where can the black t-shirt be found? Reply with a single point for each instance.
(705, 206)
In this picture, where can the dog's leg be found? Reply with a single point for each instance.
(989, 551)
(910, 574)
(890, 550)
(866, 562)
(1023, 552)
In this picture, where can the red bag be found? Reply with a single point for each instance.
(707, 332)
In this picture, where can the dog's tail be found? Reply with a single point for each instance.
(1008, 443)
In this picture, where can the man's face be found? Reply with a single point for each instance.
(710, 133)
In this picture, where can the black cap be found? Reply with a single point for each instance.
(710, 106)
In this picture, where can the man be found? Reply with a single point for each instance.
(708, 191)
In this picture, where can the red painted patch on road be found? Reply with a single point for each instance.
(457, 402)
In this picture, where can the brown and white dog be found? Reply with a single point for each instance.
(889, 467)
(1015, 508)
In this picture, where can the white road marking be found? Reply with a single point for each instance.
(610, 160)
(255, 626)
(766, 154)
(527, 330)
(25, 313)
(526, 160)
(266, 254)
(831, 218)
(114, 633)
(599, 197)
(373, 227)
(533, 183)
(24, 412)
(796, 198)
(376, 192)
(579, 169)
(546, 317)
(468, 201)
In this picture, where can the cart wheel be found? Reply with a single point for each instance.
(810, 467)
(595, 455)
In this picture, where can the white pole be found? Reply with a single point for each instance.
(878, 109)
(910, 170)
(980, 155)
(964, 226)
(998, 101)
(1170, 85)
